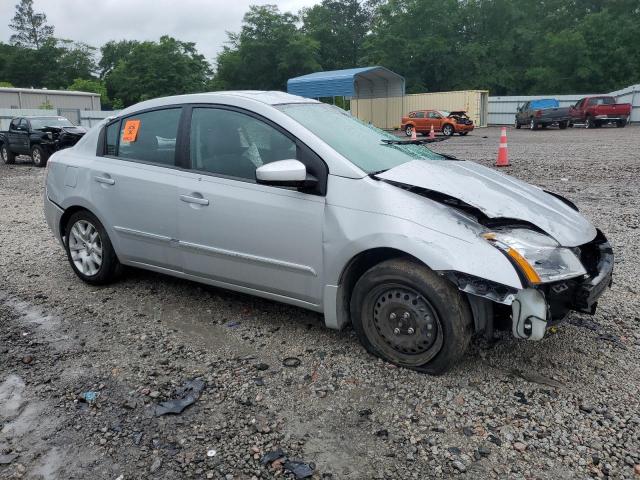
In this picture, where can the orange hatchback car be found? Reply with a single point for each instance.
(446, 122)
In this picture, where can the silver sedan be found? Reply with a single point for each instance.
(297, 201)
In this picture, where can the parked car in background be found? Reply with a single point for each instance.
(38, 137)
(294, 200)
(597, 111)
(542, 113)
(442, 121)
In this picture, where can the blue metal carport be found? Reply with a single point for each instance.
(365, 82)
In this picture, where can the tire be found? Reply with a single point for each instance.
(517, 124)
(437, 330)
(101, 269)
(408, 130)
(533, 125)
(589, 123)
(621, 124)
(39, 156)
(563, 125)
(7, 155)
(448, 130)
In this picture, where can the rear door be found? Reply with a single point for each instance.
(421, 122)
(133, 187)
(233, 231)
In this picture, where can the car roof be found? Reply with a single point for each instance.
(261, 96)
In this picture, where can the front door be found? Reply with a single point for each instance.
(19, 136)
(235, 232)
(133, 187)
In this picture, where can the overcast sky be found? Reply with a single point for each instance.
(97, 21)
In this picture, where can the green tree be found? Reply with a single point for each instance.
(339, 27)
(31, 28)
(93, 85)
(268, 51)
(155, 69)
(112, 52)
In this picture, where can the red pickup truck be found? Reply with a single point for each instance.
(596, 111)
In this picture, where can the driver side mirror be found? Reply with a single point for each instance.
(285, 173)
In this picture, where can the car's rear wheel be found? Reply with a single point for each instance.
(589, 123)
(7, 155)
(448, 130)
(39, 156)
(408, 130)
(621, 124)
(533, 125)
(563, 125)
(89, 249)
(408, 315)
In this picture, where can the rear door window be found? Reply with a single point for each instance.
(149, 137)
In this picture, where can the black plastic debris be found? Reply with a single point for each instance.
(365, 412)
(291, 362)
(299, 469)
(272, 456)
(185, 396)
(522, 398)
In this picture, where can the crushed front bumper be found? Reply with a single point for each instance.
(534, 309)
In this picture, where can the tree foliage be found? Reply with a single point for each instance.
(155, 69)
(31, 29)
(269, 49)
(506, 46)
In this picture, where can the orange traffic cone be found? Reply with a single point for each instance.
(414, 136)
(503, 155)
(432, 133)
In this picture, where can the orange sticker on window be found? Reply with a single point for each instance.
(130, 132)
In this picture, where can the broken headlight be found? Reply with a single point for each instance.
(539, 257)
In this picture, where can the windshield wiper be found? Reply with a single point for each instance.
(378, 172)
(418, 141)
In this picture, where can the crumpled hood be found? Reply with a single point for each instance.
(496, 195)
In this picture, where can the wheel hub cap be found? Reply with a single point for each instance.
(405, 321)
(85, 246)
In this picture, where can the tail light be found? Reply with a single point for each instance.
(538, 113)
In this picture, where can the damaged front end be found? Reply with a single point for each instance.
(62, 137)
(562, 261)
(545, 300)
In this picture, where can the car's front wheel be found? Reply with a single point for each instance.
(448, 129)
(39, 156)
(7, 155)
(89, 249)
(408, 130)
(621, 123)
(533, 125)
(408, 315)
(517, 123)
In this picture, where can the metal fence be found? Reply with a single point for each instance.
(503, 109)
(86, 118)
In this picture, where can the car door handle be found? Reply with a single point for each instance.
(196, 200)
(108, 181)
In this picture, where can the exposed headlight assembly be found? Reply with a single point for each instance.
(540, 258)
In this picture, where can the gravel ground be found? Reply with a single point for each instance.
(565, 407)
